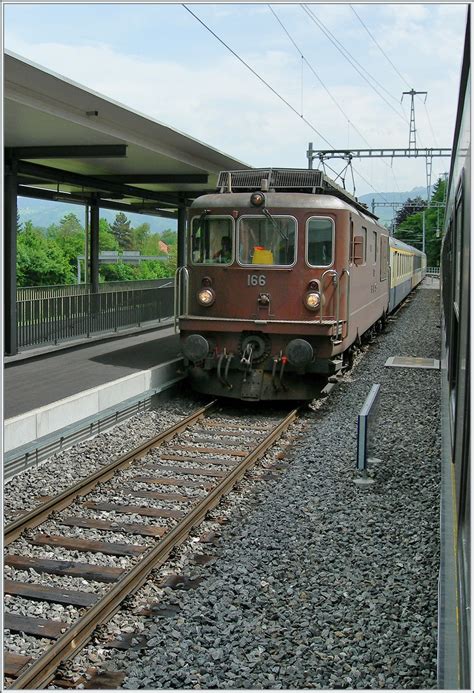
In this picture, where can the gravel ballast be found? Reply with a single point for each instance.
(314, 581)
(67, 467)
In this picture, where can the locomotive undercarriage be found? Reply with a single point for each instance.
(257, 366)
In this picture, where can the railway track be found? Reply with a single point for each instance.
(166, 487)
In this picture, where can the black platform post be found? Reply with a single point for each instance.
(181, 259)
(9, 260)
(94, 245)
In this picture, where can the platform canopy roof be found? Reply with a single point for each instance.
(70, 143)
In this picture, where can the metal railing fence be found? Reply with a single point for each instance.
(28, 293)
(61, 318)
(434, 271)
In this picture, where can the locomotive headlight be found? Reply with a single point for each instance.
(257, 199)
(206, 297)
(312, 300)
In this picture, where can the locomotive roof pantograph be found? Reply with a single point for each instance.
(286, 180)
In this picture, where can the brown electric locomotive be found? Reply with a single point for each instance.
(285, 272)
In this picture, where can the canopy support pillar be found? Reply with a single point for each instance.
(10, 252)
(181, 259)
(94, 244)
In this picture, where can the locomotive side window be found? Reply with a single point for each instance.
(267, 240)
(212, 240)
(374, 246)
(351, 243)
(320, 242)
(363, 233)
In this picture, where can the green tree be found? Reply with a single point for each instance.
(140, 235)
(151, 246)
(69, 236)
(107, 240)
(118, 272)
(122, 231)
(411, 230)
(169, 237)
(410, 207)
(40, 261)
(151, 269)
(70, 225)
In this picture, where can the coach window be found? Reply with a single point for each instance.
(212, 240)
(320, 242)
(267, 240)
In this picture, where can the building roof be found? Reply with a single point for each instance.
(104, 147)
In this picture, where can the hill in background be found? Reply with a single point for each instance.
(44, 213)
(386, 214)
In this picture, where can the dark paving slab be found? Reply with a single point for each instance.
(47, 378)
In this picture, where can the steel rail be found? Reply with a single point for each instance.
(43, 669)
(39, 514)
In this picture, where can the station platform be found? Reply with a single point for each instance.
(42, 379)
(49, 391)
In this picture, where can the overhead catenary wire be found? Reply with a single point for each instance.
(380, 47)
(310, 66)
(307, 62)
(430, 124)
(392, 64)
(353, 60)
(355, 64)
(287, 103)
(274, 91)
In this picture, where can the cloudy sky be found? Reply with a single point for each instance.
(159, 60)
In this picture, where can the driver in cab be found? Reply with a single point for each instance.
(225, 253)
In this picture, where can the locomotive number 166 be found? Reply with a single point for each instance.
(256, 280)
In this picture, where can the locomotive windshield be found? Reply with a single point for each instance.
(212, 240)
(267, 240)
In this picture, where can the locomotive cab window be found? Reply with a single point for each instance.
(212, 240)
(320, 242)
(267, 240)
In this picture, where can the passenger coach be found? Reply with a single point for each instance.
(407, 269)
(454, 621)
